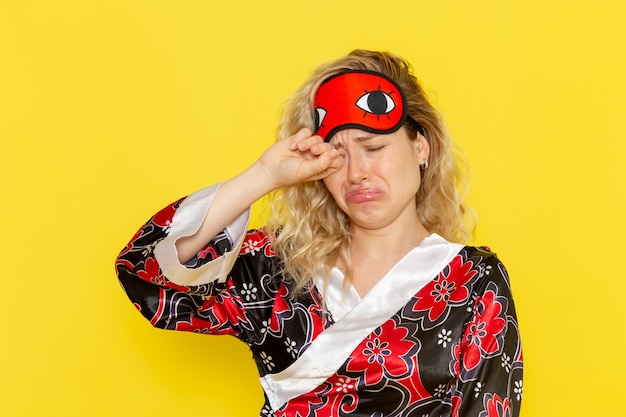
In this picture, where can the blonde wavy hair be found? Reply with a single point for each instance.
(310, 232)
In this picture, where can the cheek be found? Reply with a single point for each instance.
(333, 184)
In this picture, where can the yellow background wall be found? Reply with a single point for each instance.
(111, 109)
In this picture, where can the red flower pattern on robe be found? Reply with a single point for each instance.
(383, 354)
(483, 333)
(447, 289)
(129, 246)
(455, 364)
(255, 241)
(335, 394)
(228, 312)
(164, 217)
(195, 325)
(456, 405)
(152, 273)
(280, 309)
(300, 408)
(208, 250)
(496, 406)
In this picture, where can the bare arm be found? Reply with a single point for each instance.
(301, 158)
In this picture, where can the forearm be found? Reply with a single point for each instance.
(233, 198)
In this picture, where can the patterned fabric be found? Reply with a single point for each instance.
(452, 350)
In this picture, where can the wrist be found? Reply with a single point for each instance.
(259, 180)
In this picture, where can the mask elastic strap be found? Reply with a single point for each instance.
(416, 126)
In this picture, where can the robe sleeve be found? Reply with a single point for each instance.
(488, 360)
(199, 296)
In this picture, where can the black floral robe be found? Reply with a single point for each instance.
(436, 336)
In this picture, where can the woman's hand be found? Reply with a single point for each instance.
(302, 157)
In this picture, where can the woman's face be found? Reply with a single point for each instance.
(377, 185)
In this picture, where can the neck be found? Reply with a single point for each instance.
(374, 252)
(386, 243)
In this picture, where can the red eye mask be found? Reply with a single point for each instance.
(363, 100)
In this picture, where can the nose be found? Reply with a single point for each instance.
(357, 168)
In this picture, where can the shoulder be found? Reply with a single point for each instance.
(487, 266)
(480, 255)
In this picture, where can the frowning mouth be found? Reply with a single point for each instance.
(364, 195)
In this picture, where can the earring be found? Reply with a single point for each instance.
(425, 164)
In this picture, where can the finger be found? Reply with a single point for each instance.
(306, 144)
(298, 137)
(319, 148)
(335, 162)
(322, 166)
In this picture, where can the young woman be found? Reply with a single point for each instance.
(359, 296)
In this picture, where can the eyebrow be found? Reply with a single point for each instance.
(358, 139)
